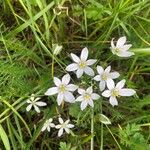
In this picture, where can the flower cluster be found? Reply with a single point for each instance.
(80, 66)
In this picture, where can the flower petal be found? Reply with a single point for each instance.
(69, 97)
(67, 130)
(114, 75)
(79, 73)
(41, 103)
(72, 67)
(52, 91)
(84, 54)
(126, 92)
(60, 132)
(81, 91)
(57, 81)
(60, 120)
(110, 84)
(29, 107)
(70, 125)
(91, 62)
(91, 103)
(48, 128)
(113, 101)
(112, 43)
(36, 109)
(125, 54)
(58, 126)
(121, 41)
(100, 69)
(72, 87)
(89, 71)
(60, 98)
(106, 93)
(43, 128)
(89, 90)
(75, 58)
(126, 47)
(95, 96)
(107, 70)
(97, 78)
(102, 85)
(120, 84)
(66, 79)
(83, 105)
(79, 98)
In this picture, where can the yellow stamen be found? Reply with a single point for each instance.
(87, 97)
(82, 64)
(115, 92)
(62, 88)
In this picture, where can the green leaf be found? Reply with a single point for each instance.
(4, 138)
(104, 119)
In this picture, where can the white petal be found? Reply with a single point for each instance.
(97, 78)
(67, 121)
(57, 81)
(110, 84)
(112, 43)
(83, 105)
(89, 71)
(60, 132)
(52, 125)
(75, 58)
(114, 75)
(81, 91)
(126, 92)
(43, 128)
(69, 97)
(91, 103)
(50, 120)
(113, 101)
(84, 54)
(60, 120)
(95, 96)
(36, 109)
(126, 47)
(72, 67)
(41, 103)
(58, 126)
(66, 79)
(102, 85)
(29, 107)
(79, 73)
(70, 125)
(28, 101)
(120, 84)
(79, 98)
(91, 62)
(107, 70)
(100, 69)
(51, 91)
(48, 129)
(72, 87)
(125, 54)
(89, 90)
(60, 98)
(67, 130)
(121, 41)
(106, 93)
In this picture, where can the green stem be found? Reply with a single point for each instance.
(92, 129)
(101, 147)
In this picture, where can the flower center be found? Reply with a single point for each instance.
(82, 64)
(116, 50)
(104, 76)
(63, 125)
(87, 97)
(62, 88)
(115, 92)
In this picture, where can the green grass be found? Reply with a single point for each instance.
(27, 65)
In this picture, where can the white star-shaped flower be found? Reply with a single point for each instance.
(105, 76)
(63, 126)
(86, 97)
(34, 102)
(81, 64)
(117, 91)
(121, 49)
(63, 89)
(48, 125)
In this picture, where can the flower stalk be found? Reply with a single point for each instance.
(92, 129)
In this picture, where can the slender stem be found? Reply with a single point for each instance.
(92, 129)
(101, 110)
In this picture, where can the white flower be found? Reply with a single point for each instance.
(81, 64)
(121, 49)
(63, 89)
(63, 126)
(47, 125)
(105, 76)
(117, 91)
(35, 103)
(86, 97)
